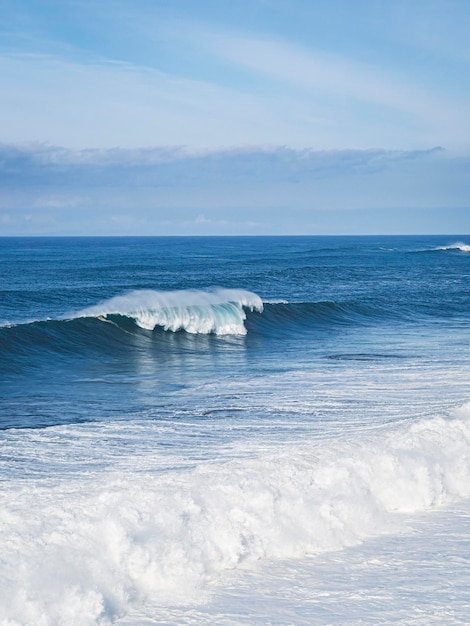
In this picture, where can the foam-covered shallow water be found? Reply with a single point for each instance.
(290, 447)
(415, 576)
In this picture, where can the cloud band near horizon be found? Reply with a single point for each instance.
(50, 190)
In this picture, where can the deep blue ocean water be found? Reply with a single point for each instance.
(175, 408)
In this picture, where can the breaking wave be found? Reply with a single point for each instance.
(462, 247)
(90, 550)
(218, 311)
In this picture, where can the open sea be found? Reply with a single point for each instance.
(234, 430)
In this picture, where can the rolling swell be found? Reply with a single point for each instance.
(130, 321)
(299, 316)
(109, 332)
(62, 337)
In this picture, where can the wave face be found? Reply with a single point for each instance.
(196, 312)
(222, 312)
(166, 323)
(302, 316)
(116, 324)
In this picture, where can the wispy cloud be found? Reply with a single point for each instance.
(311, 101)
(104, 104)
(369, 90)
(139, 74)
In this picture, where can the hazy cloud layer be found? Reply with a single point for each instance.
(247, 190)
(179, 166)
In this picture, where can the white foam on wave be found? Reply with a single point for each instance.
(87, 550)
(463, 247)
(218, 311)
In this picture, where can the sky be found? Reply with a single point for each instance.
(215, 117)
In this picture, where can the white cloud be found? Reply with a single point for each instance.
(47, 99)
(104, 104)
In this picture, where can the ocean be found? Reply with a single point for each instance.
(234, 430)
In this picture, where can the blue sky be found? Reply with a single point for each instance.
(222, 117)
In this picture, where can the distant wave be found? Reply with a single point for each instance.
(458, 246)
(462, 247)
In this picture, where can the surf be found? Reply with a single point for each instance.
(134, 537)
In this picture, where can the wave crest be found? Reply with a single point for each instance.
(218, 311)
(462, 247)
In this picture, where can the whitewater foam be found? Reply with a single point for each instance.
(89, 549)
(463, 247)
(218, 311)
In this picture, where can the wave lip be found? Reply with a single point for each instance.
(216, 310)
